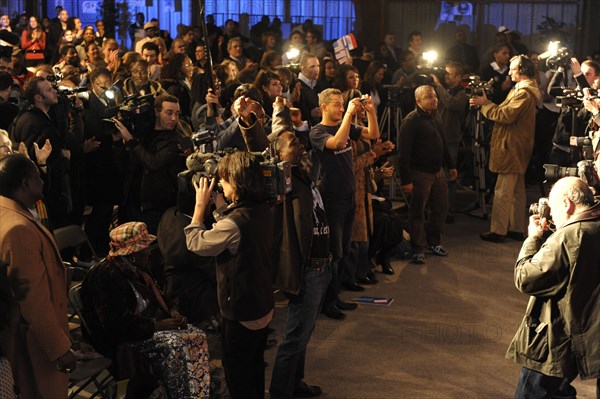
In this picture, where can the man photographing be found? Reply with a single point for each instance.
(560, 333)
(510, 149)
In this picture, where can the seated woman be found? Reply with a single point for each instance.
(122, 305)
(242, 241)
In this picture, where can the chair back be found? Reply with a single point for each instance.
(73, 238)
(77, 304)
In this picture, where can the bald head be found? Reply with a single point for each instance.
(426, 98)
(569, 196)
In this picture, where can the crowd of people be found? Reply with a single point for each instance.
(97, 136)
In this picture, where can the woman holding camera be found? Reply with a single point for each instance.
(241, 240)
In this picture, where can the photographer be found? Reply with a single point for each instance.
(510, 149)
(301, 249)
(453, 105)
(103, 183)
(560, 334)
(151, 180)
(242, 242)
(586, 75)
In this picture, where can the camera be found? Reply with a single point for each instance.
(560, 58)
(540, 208)
(570, 98)
(585, 170)
(136, 113)
(477, 87)
(277, 175)
(205, 141)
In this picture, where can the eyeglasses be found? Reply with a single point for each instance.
(188, 65)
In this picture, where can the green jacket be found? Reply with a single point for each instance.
(560, 333)
(514, 128)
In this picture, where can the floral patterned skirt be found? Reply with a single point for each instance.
(180, 359)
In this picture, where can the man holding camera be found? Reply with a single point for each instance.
(510, 149)
(560, 334)
(151, 182)
(331, 141)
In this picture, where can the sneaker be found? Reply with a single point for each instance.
(418, 258)
(438, 250)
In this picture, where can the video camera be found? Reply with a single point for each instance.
(277, 175)
(557, 58)
(476, 87)
(401, 95)
(136, 113)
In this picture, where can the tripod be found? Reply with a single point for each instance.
(389, 124)
(479, 149)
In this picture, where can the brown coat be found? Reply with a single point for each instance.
(38, 282)
(362, 227)
(514, 128)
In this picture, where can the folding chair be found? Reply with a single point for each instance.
(71, 239)
(89, 371)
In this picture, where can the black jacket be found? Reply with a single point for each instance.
(294, 225)
(309, 99)
(422, 145)
(191, 283)
(244, 279)
(35, 126)
(102, 177)
(110, 309)
(158, 160)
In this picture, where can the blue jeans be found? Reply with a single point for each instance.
(303, 310)
(535, 385)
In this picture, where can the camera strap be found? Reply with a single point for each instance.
(591, 213)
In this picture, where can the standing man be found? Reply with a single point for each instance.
(301, 255)
(309, 89)
(40, 346)
(423, 154)
(331, 141)
(510, 149)
(151, 179)
(453, 105)
(55, 34)
(35, 127)
(559, 336)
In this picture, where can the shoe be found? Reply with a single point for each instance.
(386, 268)
(383, 259)
(303, 390)
(342, 305)
(438, 250)
(331, 311)
(492, 237)
(515, 235)
(353, 287)
(450, 219)
(366, 280)
(418, 258)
